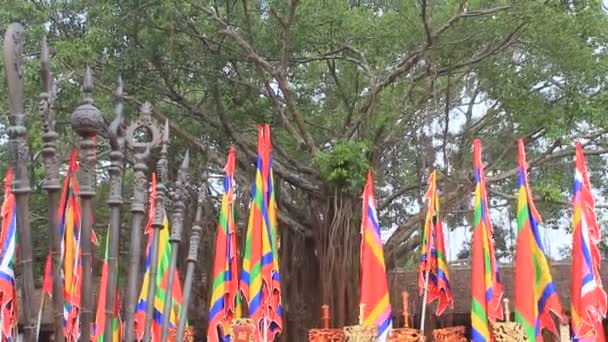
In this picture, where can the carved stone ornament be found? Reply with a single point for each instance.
(16, 131)
(361, 333)
(116, 135)
(242, 330)
(49, 137)
(508, 331)
(326, 335)
(450, 334)
(146, 122)
(86, 119)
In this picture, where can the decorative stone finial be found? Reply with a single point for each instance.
(147, 123)
(87, 119)
(13, 59)
(116, 130)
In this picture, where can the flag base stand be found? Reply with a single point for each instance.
(188, 335)
(242, 330)
(508, 331)
(405, 335)
(326, 334)
(451, 334)
(361, 333)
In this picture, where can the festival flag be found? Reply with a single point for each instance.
(432, 254)
(535, 295)
(69, 230)
(275, 307)
(8, 240)
(100, 318)
(225, 291)
(374, 284)
(589, 302)
(69, 235)
(486, 288)
(162, 276)
(260, 280)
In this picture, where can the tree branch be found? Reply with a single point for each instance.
(561, 202)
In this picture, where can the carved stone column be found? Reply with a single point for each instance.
(195, 239)
(142, 156)
(157, 226)
(86, 121)
(51, 183)
(116, 134)
(175, 238)
(20, 161)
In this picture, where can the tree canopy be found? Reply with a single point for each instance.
(400, 86)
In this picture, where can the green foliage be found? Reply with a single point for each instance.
(344, 166)
(337, 89)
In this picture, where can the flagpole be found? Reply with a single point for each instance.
(265, 329)
(195, 238)
(175, 239)
(40, 315)
(157, 226)
(426, 293)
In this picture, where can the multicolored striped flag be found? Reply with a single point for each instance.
(162, 276)
(47, 281)
(486, 288)
(69, 230)
(260, 280)
(535, 295)
(69, 233)
(100, 318)
(374, 284)
(432, 254)
(225, 295)
(8, 241)
(589, 302)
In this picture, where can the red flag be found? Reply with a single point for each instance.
(8, 242)
(535, 294)
(223, 306)
(47, 281)
(374, 284)
(486, 288)
(589, 301)
(432, 254)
